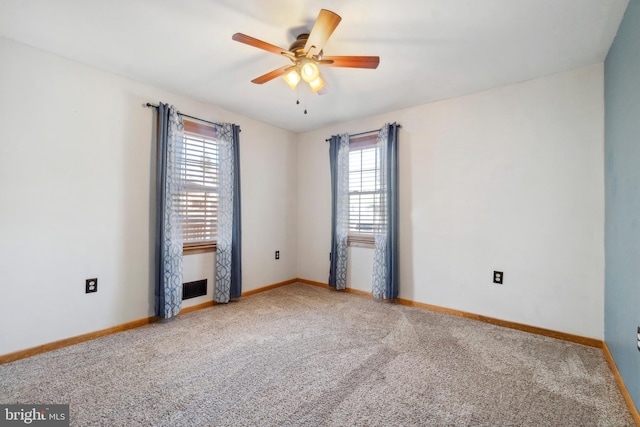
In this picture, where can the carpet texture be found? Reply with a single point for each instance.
(301, 355)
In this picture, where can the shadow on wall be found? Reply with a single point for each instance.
(405, 198)
(152, 212)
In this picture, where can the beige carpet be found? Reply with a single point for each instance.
(305, 356)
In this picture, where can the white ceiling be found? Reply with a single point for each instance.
(429, 49)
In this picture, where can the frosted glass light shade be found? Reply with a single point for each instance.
(309, 71)
(316, 84)
(292, 78)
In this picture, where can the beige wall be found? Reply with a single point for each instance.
(510, 179)
(76, 187)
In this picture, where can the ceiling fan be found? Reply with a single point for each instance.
(307, 56)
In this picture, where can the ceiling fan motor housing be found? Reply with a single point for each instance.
(297, 47)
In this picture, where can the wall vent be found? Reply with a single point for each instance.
(194, 289)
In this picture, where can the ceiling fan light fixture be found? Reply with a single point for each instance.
(316, 84)
(292, 78)
(309, 71)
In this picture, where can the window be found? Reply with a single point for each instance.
(366, 215)
(199, 200)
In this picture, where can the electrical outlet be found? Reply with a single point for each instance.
(638, 338)
(277, 254)
(91, 285)
(498, 277)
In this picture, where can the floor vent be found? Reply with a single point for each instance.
(194, 289)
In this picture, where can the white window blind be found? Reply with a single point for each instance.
(199, 200)
(366, 215)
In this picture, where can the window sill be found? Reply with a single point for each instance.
(361, 241)
(198, 248)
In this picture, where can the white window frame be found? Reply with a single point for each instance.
(200, 179)
(356, 236)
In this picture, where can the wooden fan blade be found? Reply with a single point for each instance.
(351, 61)
(324, 26)
(272, 74)
(243, 38)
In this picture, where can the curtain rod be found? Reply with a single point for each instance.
(150, 105)
(360, 133)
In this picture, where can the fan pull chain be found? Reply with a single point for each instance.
(298, 101)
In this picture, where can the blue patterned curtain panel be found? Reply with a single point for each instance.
(339, 162)
(385, 258)
(169, 238)
(228, 283)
